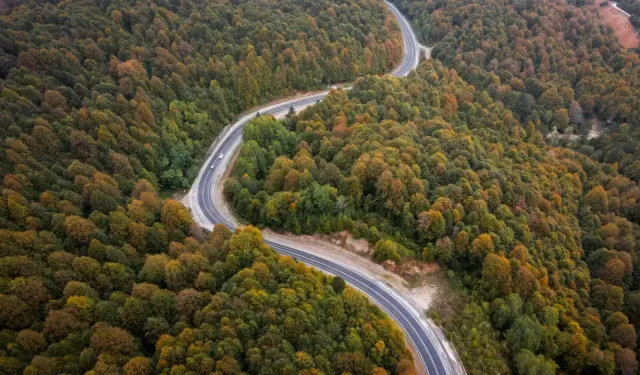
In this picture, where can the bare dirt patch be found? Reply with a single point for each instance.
(410, 269)
(348, 242)
(622, 27)
(176, 194)
(596, 129)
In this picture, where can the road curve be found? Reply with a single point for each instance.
(208, 207)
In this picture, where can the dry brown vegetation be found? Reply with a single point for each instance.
(621, 25)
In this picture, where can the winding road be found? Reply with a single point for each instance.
(208, 207)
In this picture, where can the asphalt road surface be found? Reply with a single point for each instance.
(209, 209)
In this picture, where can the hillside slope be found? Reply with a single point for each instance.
(553, 63)
(543, 239)
(105, 103)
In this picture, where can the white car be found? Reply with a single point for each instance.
(220, 156)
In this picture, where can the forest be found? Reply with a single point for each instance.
(541, 239)
(106, 104)
(223, 304)
(632, 7)
(143, 88)
(103, 106)
(552, 63)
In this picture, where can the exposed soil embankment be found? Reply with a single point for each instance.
(342, 248)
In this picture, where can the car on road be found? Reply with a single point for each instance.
(220, 156)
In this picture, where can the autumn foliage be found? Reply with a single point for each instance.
(540, 241)
(103, 105)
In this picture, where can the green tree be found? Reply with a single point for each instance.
(385, 250)
(338, 284)
(524, 334)
(528, 363)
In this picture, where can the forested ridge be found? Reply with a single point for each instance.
(146, 86)
(226, 304)
(105, 103)
(554, 63)
(542, 240)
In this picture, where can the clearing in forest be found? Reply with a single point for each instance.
(622, 27)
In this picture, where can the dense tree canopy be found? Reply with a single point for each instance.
(139, 89)
(553, 63)
(225, 303)
(104, 103)
(542, 238)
